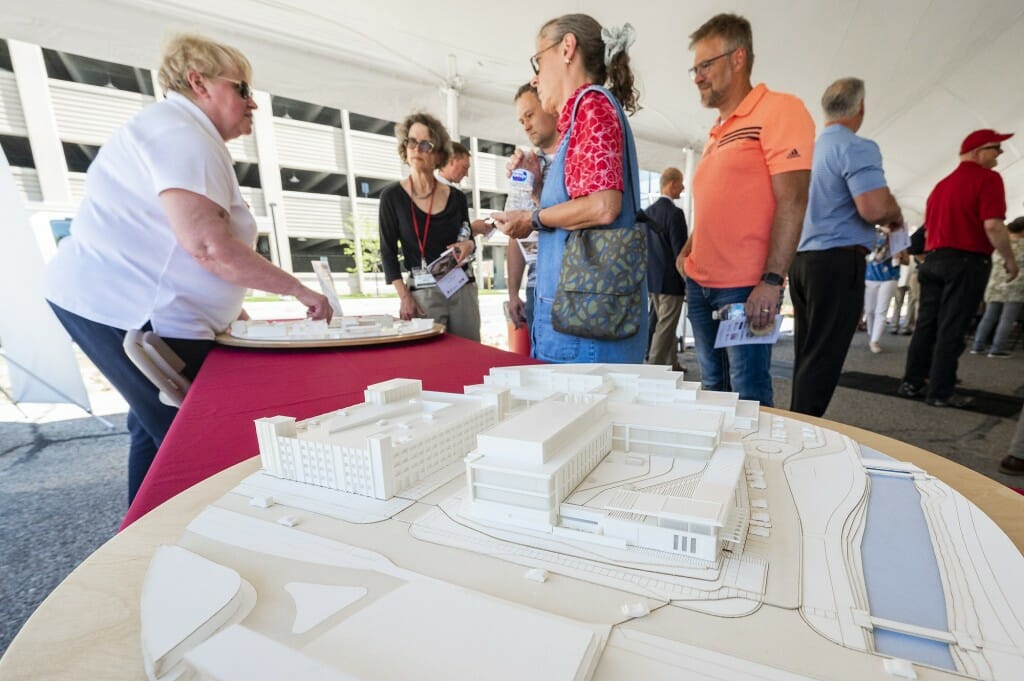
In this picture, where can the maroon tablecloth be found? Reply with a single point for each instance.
(214, 429)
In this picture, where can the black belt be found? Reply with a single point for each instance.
(957, 251)
(859, 250)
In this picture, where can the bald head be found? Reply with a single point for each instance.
(672, 182)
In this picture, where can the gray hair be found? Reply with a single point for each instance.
(842, 99)
(616, 72)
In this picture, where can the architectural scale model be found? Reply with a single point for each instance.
(580, 522)
(365, 326)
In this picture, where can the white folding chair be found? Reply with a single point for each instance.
(159, 364)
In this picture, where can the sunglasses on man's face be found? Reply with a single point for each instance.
(244, 89)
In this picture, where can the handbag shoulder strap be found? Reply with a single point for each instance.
(629, 159)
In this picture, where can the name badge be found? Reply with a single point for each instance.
(422, 278)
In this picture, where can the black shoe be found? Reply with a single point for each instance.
(910, 391)
(906, 332)
(1011, 465)
(954, 401)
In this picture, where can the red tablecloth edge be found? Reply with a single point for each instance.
(187, 458)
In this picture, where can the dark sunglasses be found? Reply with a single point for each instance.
(244, 89)
(424, 146)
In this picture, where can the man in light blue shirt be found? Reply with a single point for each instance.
(848, 197)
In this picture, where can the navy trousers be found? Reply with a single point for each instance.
(148, 417)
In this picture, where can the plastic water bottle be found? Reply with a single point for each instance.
(465, 232)
(520, 191)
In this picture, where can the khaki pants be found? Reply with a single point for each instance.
(665, 309)
(460, 314)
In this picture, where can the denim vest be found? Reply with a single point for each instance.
(550, 345)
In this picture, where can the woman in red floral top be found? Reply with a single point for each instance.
(593, 179)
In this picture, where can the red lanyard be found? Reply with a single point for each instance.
(422, 242)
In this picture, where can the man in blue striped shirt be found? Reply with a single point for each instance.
(848, 197)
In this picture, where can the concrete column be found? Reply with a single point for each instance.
(154, 75)
(34, 90)
(450, 90)
(270, 178)
(474, 167)
(353, 193)
(691, 162)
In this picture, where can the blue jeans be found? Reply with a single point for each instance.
(998, 316)
(531, 299)
(744, 369)
(148, 418)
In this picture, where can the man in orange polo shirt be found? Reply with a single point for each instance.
(750, 193)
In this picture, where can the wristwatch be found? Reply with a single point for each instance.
(772, 278)
(536, 223)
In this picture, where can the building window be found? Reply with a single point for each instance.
(496, 148)
(18, 151)
(489, 200)
(78, 69)
(79, 156)
(295, 109)
(263, 246)
(313, 182)
(248, 174)
(371, 187)
(377, 126)
(306, 250)
(5, 56)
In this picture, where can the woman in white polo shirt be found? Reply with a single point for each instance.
(163, 238)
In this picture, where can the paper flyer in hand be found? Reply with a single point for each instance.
(899, 240)
(528, 246)
(449, 275)
(323, 275)
(736, 332)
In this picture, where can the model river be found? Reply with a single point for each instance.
(900, 570)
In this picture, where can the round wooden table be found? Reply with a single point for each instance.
(88, 628)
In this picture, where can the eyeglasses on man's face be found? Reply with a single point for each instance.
(423, 146)
(533, 60)
(244, 89)
(702, 68)
(998, 148)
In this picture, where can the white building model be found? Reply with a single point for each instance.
(340, 328)
(580, 523)
(529, 436)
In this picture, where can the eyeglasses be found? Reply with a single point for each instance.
(424, 146)
(244, 89)
(533, 60)
(998, 148)
(702, 68)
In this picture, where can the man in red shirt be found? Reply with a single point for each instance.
(964, 224)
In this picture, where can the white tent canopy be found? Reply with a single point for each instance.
(935, 69)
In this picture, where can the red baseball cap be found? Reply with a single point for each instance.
(980, 138)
